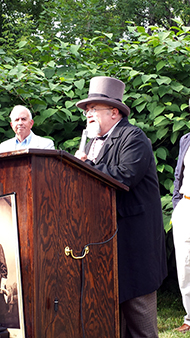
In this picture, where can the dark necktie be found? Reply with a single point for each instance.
(102, 138)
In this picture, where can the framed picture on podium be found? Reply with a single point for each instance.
(11, 302)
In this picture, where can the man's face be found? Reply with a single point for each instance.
(100, 120)
(21, 124)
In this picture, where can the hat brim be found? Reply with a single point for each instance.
(115, 103)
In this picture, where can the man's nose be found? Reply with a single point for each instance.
(90, 113)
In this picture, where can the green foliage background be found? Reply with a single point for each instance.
(50, 76)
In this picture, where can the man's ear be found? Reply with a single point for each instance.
(32, 122)
(115, 112)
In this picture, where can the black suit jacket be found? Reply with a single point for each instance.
(127, 156)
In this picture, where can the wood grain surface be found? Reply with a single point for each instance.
(59, 204)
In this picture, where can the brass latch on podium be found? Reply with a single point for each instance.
(69, 251)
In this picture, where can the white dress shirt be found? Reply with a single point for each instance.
(185, 188)
(97, 144)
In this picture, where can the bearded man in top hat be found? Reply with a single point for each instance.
(122, 151)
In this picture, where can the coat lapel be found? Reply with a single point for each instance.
(109, 143)
(186, 144)
(105, 148)
(34, 141)
(184, 147)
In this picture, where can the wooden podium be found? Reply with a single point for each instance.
(64, 203)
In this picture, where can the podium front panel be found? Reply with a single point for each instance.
(61, 205)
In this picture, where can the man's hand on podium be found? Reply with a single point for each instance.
(81, 155)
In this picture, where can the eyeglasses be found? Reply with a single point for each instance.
(93, 110)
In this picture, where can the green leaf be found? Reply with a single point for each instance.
(51, 64)
(22, 44)
(2, 51)
(69, 104)
(109, 35)
(44, 115)
(158, 50)
(158, 110)
(168, 183)
(56, 98)
(141, 107)
(174, 108)
(166, 199)
(53, 86)
(178, 125)
(177, 86)
(133, 73)
(174, 137)
(163, 80)
(160, 167)
(70, 93)
(169, 116)
(163, 35)
(169, 169)
(146, 78)
(74, 49)
(49, 72)
(160, 65)
(153, 137)
(167, 222)
(17, 70)
(184, 106)
(137, 101)
(151, 106)
(162, 132)
(163, 90)
(79, 84)
(155, 157)
(145, 85)
(159, 119)
(8, 66)
(137, 81)
(161, 153)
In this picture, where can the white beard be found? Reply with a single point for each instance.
(93, 129)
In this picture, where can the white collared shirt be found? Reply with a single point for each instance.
(24, 144)
(97, 144)
(185, 188)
